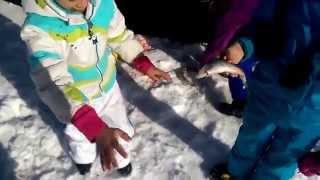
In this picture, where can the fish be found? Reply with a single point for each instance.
(221, 67)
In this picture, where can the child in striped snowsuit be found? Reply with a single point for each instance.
(72, 58)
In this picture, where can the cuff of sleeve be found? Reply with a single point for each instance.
(129, 50)
(247, 47)
(87, 121)
(142, 64)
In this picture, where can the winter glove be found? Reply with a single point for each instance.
(142, 63)
(309, 165)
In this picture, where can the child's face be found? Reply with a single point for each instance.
(77, 5)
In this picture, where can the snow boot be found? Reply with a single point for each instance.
(125, 171)
(234, 109)
(83, 168)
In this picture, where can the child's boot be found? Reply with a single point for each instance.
(83, 168)
(234, 109)
(125, 171)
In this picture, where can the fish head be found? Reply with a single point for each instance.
(203, 72)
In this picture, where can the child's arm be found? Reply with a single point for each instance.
(299, 31)
(300, 39)
(123, 42)
(48, 71)
(238, 15)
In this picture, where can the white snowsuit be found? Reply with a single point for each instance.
(72, 60)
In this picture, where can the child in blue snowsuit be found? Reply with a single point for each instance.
(238, 92)
(282, 116)
(237, 15)
(267, 46)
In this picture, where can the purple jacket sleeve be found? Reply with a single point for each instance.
(238, 14)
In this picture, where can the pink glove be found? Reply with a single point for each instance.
(142, 63)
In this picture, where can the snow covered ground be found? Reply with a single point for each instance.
(179, 134)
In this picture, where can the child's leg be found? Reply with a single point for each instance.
(280, 162)
(81, 150)
(254, 135)
(111, 109)
(252, 139)
(113, 112)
